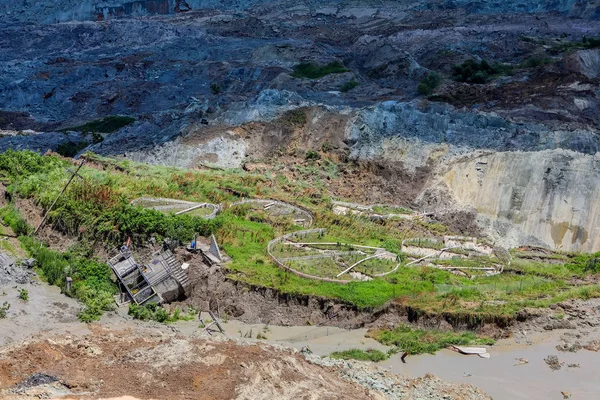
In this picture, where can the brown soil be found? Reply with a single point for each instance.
(155, 365)
(33, 214)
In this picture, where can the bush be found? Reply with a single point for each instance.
(311, 155)
(20, 164)
(215, 88)
(536, 61)
(314, 71)
(154, 312)
(70, 148)
(348, 86)
(473, 72)
(590, 43)
(3, 309)
(593, 265)
(92, 283)
(295, 117)
(429, 83)
(24, 295)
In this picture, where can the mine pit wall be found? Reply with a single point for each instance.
(551, 197)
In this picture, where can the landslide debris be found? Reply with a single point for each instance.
(159, 364)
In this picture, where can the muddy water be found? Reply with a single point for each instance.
(502, 379)
(498, 376)
(50, 312)
(322, 340)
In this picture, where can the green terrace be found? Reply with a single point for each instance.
(97, 211)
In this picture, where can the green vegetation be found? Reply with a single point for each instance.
(560, 46)
(3, 309)
(536, 61)
(70, 148)
(105, 125)
(24, 295)
(362, 355)
(295, 117)
(348, 86)
(311, 155)
(215, 88)
(315, 71)
(11, 217)
(418, 341)
(154, 312)
(429, 83)
(472, 71)
(590, 43)
(98, 213)
(92, 283)
(384, 210)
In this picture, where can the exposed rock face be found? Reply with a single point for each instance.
(215, 86)
(588, 62)
(551, 195)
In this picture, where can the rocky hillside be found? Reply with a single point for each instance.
(453, 106)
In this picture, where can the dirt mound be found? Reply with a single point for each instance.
(158, 365)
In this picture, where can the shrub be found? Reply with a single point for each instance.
(311, 155)
(472, 71)
(590, 43)
(3, 309)
(429, 83)
(536, 61)
(315, 71)
(70, 148)
(593, 265)
(295, 117)
(154, 312)
(215, 88)
(24, 163)
(348, 86)
(92, 283)
(24, 295)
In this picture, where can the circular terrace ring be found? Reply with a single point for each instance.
(302, 254)
(439, 252)
(178, 207)
(301, 216)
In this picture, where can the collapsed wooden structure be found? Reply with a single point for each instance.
(161, 280)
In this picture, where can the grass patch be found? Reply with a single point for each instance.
(105, 125)
(362, 355)
(11, 217)
(315, 71)
(419, 341)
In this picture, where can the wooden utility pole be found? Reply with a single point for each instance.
(73, 175)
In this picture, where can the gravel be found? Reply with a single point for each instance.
(395, 386)
(10, 272)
